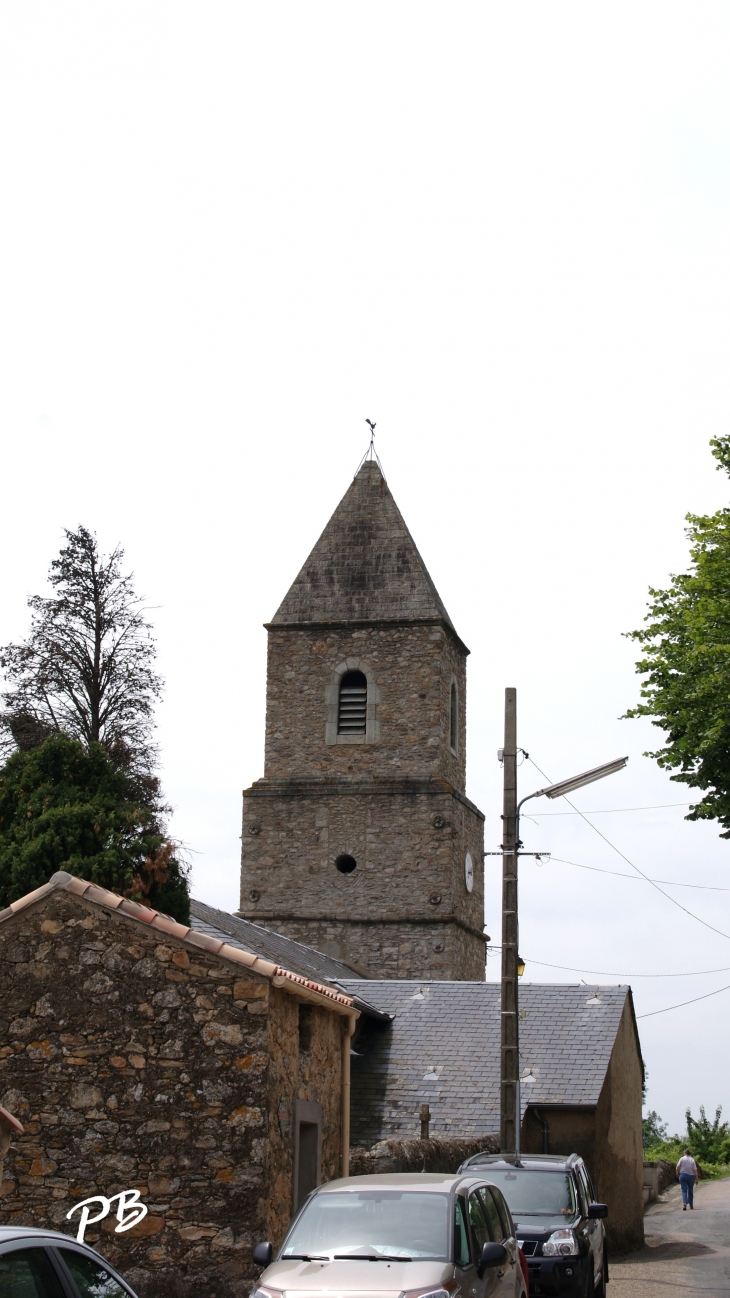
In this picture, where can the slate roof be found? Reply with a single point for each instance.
(365, 566)
(284, 951)
(443, 1049)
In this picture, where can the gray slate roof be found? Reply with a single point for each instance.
(365, 566)
(443, 1049)
(284, 951)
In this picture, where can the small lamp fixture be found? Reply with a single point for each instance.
(520, 966)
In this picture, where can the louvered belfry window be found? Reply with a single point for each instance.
(353, 702)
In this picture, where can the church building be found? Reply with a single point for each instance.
(360, 840)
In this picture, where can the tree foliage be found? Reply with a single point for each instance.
(709, 1141)
(79, 791)
(654, 1131)
(686, 646)
(67, 807)
(86, 668)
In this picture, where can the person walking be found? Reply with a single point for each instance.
(689, 1174)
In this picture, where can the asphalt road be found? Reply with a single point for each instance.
(686, 1253)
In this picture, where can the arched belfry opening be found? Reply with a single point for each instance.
(352, 704)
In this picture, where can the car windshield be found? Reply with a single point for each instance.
(402, 1224)
(535, 1194)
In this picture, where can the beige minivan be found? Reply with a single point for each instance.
(397, 1236)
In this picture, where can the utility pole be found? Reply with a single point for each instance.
(509, 1117)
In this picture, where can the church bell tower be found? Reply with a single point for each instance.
(360, 840)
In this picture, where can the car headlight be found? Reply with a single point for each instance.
(562, 1243)
(449, 1290)
(265, 1291)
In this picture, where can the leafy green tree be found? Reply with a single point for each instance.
(709, 1141)
(654, 1131)
(67, 807)
(686, 646)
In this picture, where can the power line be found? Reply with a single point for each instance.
(607, 811)
(625, 858)
(694, 1000)
(603, 973)
(617, 874)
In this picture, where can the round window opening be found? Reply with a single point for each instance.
(346, 864)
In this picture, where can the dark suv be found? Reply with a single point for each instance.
(557, 1220)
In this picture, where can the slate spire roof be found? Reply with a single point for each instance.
(365, 566)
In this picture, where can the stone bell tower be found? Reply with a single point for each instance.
(359, 840)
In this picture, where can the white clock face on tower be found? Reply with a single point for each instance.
(469, 873)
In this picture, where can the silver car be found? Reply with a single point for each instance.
(44, 1264)
(397, 1236)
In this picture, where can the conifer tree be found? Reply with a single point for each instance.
(78, 790)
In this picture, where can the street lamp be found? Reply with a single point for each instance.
(568, 786)
(512, 966)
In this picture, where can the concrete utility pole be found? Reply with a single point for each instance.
(510, 1053)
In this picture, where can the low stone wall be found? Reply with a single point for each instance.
(418, 1155)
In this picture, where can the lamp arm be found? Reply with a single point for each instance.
(537, 794)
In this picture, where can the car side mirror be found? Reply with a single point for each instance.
(263, 1253)
(597, 1210)
(492, 1255)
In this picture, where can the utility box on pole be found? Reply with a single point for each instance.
(510, 1053)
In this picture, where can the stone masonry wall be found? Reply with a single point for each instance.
(308, 1074)
(410, 849)
(413, 666)
(438, 951)
(139, 1063)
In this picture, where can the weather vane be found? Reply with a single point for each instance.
(371, 426)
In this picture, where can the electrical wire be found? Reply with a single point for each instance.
(617, 874)
(603, 973)
(625, 858)
(694, 1000)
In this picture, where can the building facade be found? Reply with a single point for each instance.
(143, 1055)
(360, 840)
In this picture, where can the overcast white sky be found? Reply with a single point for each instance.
(231, 231)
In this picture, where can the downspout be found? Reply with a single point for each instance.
(345, 1118)
(545, 1131)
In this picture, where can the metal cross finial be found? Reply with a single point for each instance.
(371, 426)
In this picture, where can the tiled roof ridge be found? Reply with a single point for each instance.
(280, 976)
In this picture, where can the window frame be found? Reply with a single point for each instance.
(476, 1246)
(454, 716)
(72, 1246)
(460, 1203)
(332, 701)
(27, 1244)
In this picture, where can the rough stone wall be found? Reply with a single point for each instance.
(139, 1063)
(410, 849)
(313, 1074)
(412, 665)
(377, 950)
(419, 1155)
(619, 1150)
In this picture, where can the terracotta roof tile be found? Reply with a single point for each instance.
(91, 892)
